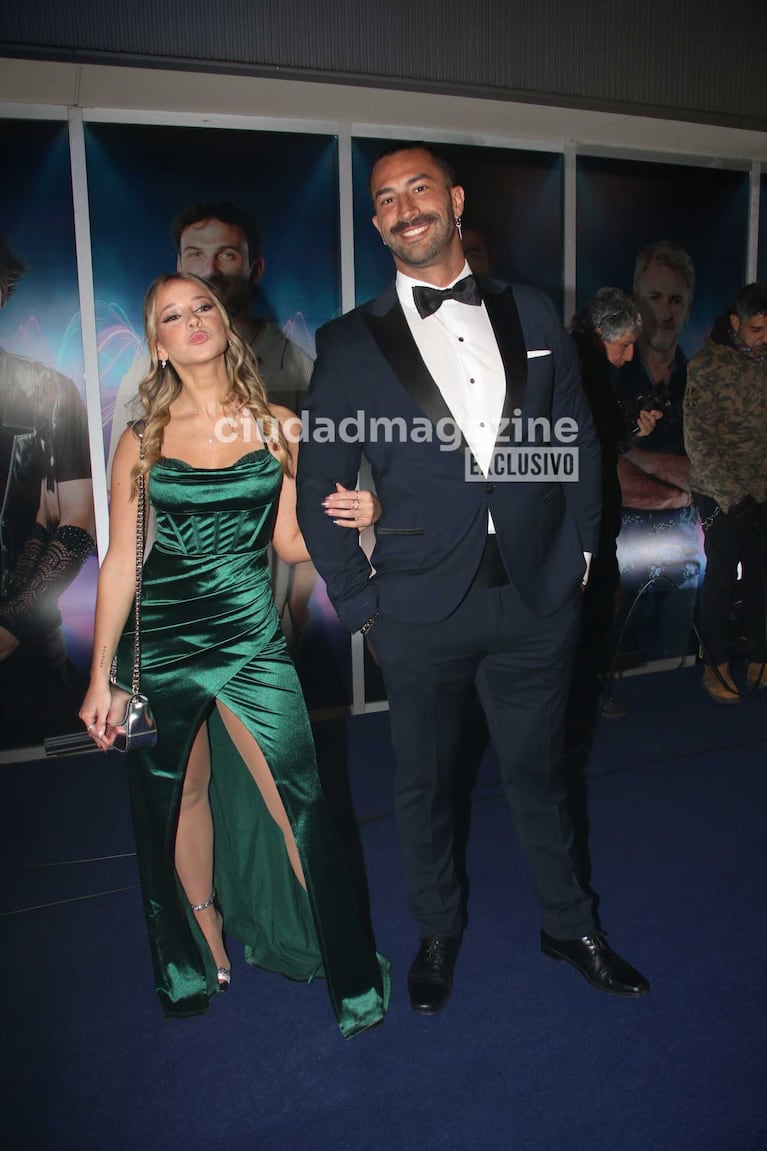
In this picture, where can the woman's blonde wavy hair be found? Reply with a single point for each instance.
(161, 386)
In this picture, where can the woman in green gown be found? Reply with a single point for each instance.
(228, 811)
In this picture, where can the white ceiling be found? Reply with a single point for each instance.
(363, 110)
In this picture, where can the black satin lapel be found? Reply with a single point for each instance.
(507, 326)
(394, 338)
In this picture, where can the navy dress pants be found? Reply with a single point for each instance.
(521, 665)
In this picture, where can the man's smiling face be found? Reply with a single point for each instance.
(416, 210)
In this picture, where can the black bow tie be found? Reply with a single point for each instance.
(428, 300)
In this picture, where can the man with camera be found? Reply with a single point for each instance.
(605, 332)
(725, 412)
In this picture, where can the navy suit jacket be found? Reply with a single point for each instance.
(431, 535)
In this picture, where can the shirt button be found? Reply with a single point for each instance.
(471, 381)
(489, 487)
(460, 339)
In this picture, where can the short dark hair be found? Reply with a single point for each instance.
(417, 146)
(751, 300)
(11, 268)
(227, 213)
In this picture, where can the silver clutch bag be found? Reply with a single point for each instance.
(137, 729)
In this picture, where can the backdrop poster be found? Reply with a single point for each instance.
(512, 228)
(283, 189)
(622, 207)
(47, 581)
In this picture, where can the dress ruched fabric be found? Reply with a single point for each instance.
(209, 631)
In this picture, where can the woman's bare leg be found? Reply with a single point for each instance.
(254, 759)
(194, 845)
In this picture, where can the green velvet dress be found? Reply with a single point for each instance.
(209, 631)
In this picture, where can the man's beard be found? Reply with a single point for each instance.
(759, 352)
(438, 241)
(234, 291)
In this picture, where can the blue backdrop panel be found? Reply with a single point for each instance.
(139, 178)
(40, 321)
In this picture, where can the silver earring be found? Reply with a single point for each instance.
(163, 363)
(458, 226)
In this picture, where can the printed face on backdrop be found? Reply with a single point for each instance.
(620, 351)
(416, 210)
(218, 252)
(666, 301)
(190, 328)
(752, 332)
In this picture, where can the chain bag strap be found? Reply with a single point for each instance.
(137, 728)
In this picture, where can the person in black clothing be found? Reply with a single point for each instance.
(725, 432)
(605, 333)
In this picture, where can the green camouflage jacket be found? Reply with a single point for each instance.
(725, 424)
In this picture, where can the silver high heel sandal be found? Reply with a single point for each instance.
(223, 974)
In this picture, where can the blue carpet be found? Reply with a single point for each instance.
(525, 1057)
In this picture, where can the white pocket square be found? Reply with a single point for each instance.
(539, 352)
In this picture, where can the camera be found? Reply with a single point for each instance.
(656, 399)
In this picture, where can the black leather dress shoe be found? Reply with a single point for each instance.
(597, 962)
(430, 978)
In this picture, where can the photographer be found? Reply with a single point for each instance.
(605, 333)
(725, 413)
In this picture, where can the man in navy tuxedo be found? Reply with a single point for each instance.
(466, 400)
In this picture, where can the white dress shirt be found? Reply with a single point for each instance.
(458, 346)
(457, 343)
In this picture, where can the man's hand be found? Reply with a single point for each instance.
(646, 422)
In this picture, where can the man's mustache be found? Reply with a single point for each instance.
(416, 222)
